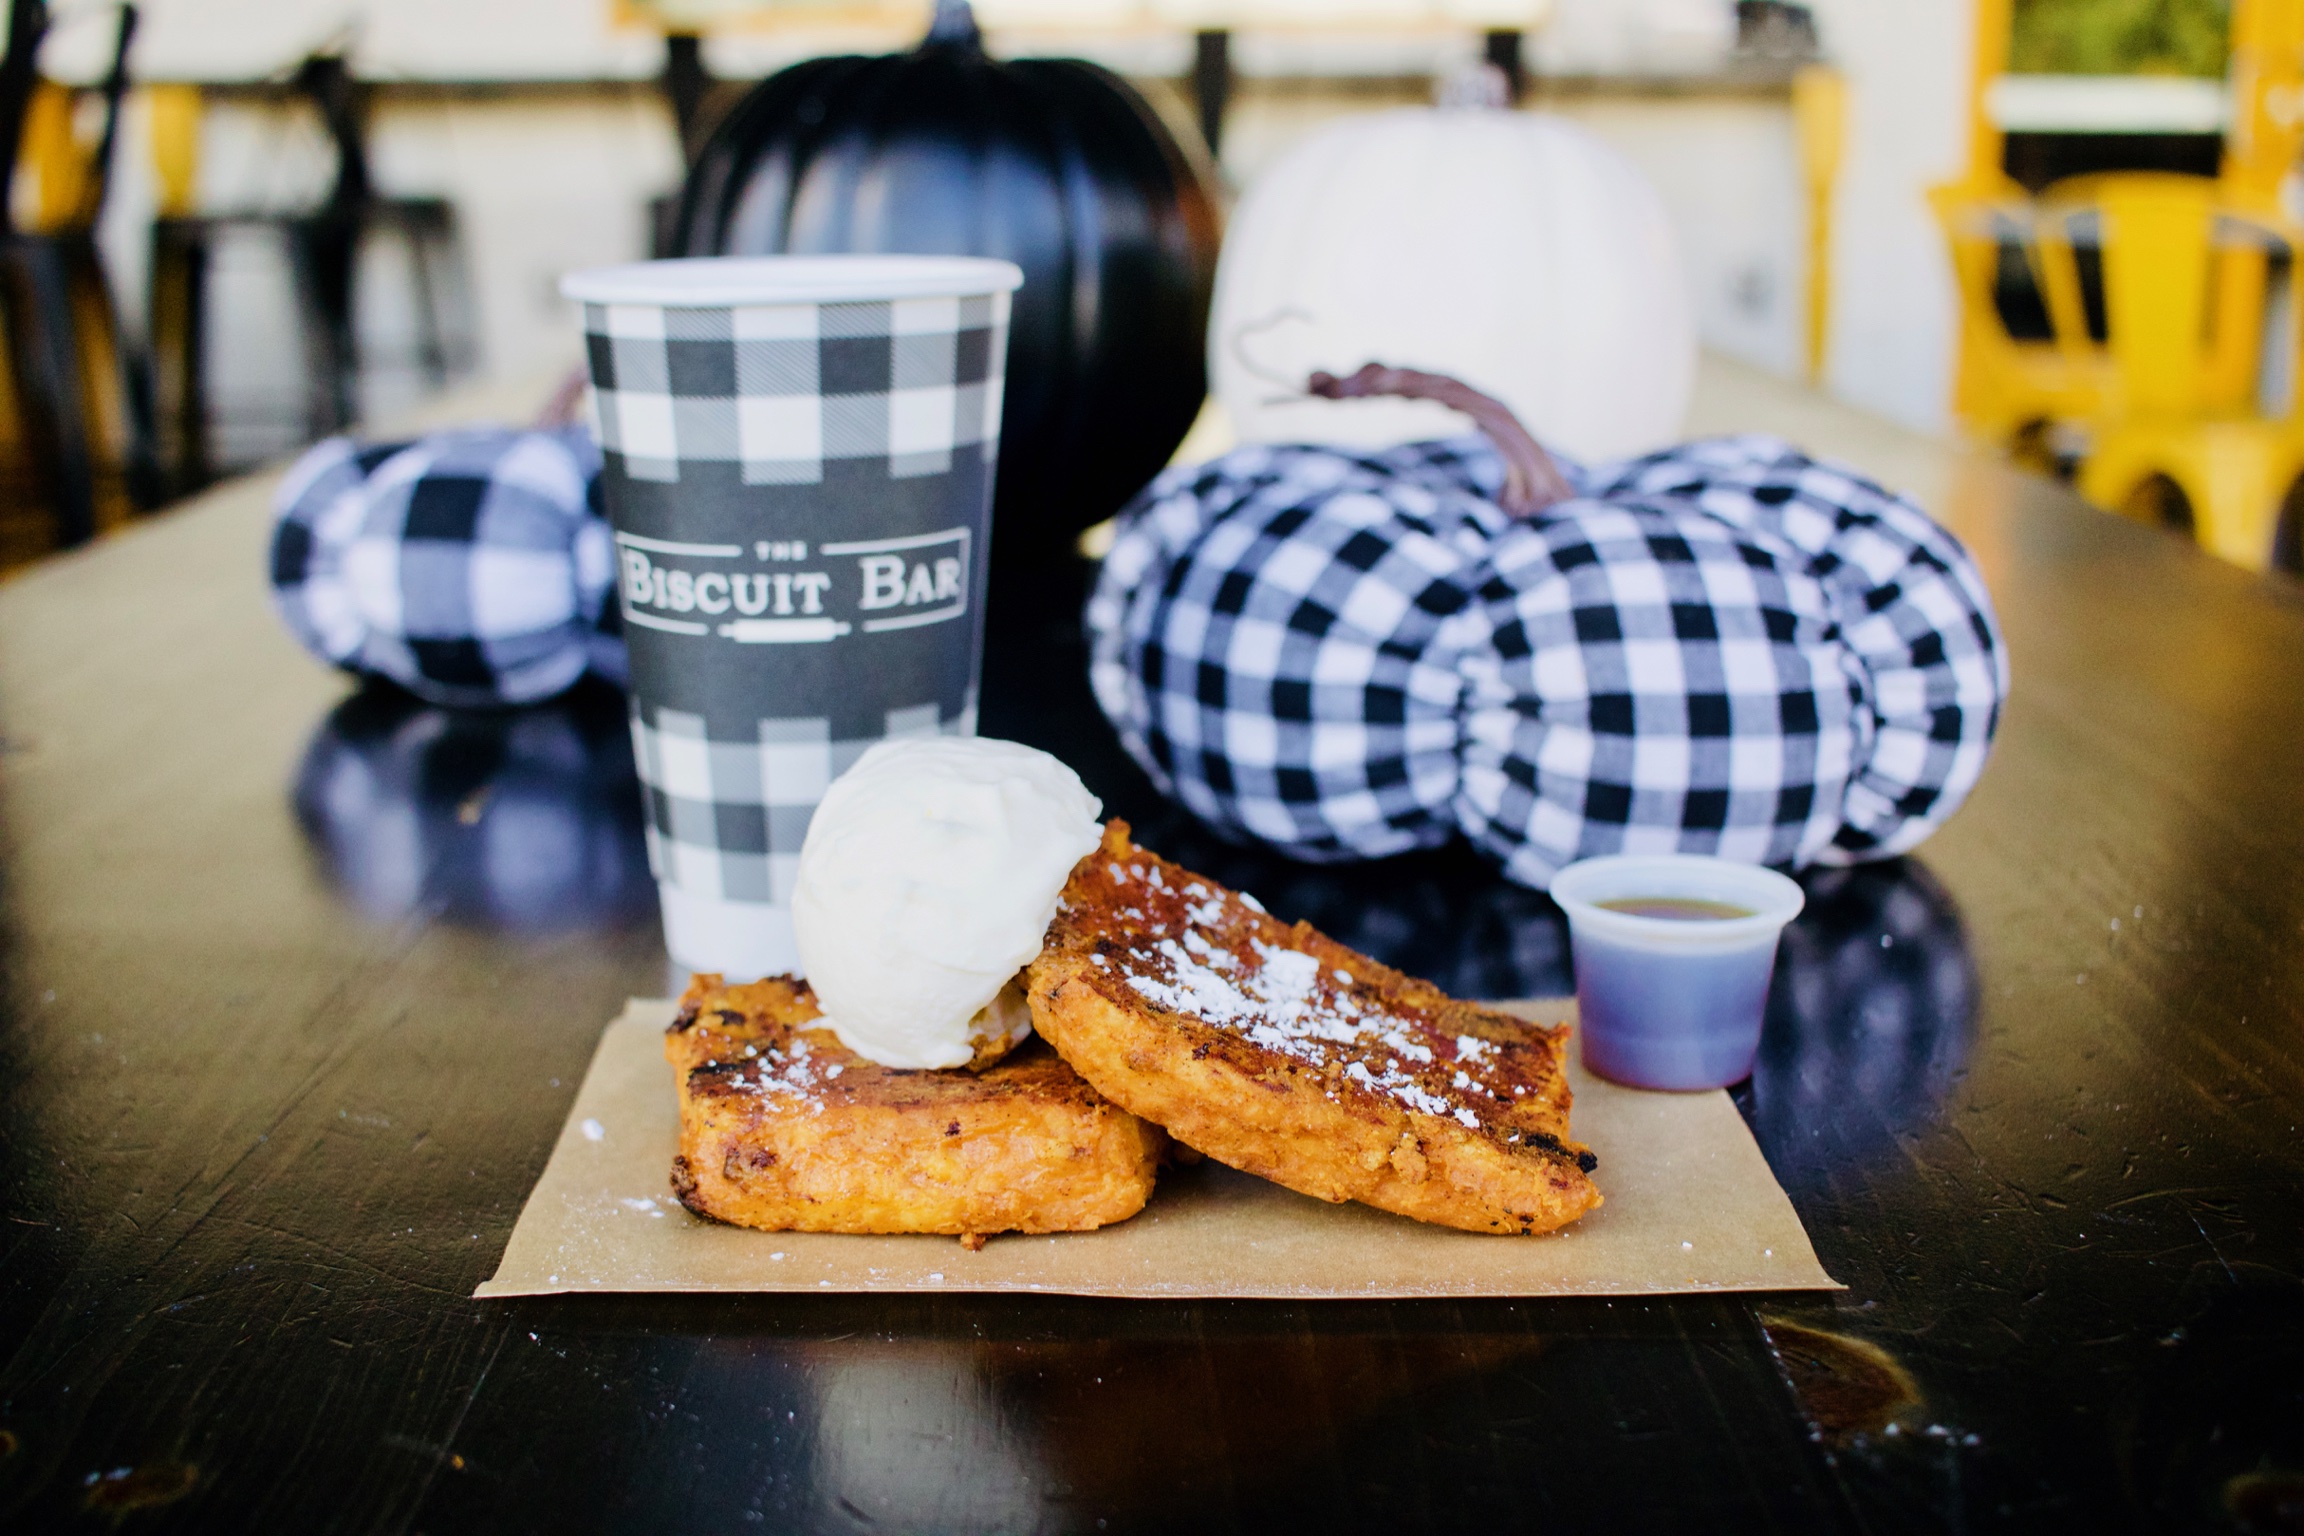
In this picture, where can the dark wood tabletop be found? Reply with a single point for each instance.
(299, 983)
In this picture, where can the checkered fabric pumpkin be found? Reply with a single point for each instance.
(472, 567)
(1723, 648)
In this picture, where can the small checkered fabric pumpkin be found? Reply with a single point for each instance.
(473, 567)
(1726, 647)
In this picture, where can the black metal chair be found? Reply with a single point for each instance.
(77, 452)
(323, 248)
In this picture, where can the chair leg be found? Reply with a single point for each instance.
(2109, 478)
(323, 252)
(2230, 482)
(179, 331)
(2241, 484)
(2288, 532)
(431, 328)
(116, 391)
(48, 382)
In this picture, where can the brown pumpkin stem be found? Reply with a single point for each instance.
(567, 402)
(1532, 481)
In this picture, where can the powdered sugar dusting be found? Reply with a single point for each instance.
(789, 1069)
(1283, 1000)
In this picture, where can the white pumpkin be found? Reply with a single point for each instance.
(1510, 249)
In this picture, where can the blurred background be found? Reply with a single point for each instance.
(2060, 228)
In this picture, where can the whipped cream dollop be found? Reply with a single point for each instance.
(928, 878)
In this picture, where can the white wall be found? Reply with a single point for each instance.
(547, 182)
(1633, 36)
(214, 40)
(541, 187)
(541, 183)
(1726, 168)
(1894, 302)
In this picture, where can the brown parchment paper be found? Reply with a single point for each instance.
(1691, 1206)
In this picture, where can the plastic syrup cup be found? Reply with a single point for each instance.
(1673, 1002)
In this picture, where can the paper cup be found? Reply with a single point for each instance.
(1672, 1002)
(799, 458)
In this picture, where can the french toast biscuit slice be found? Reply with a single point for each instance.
(1276, 1050)
(785, 1129)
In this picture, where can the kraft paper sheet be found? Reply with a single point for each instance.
(1691, 1206)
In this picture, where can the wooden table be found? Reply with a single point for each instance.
(297, 993)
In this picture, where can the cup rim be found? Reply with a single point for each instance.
(720, 282)
(1579, 888)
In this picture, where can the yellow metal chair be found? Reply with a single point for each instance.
(2165, 386)
(2183, 324)
(2009, 389)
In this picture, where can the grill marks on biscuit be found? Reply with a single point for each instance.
(783, 1128)
(1205, 954)
(1281, 1052)
(790, 1066)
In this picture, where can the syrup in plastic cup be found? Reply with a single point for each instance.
(1673, 1001)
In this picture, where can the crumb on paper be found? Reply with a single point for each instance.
(775, 1256)
(937, 1276)
(972, 1241)
(593, 1130)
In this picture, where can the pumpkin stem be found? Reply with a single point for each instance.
(954, 23)
(1532, 481)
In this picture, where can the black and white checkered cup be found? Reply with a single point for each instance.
(799, 456)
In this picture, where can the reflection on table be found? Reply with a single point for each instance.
(516, 820)
(1870, 1020)
(529, 821)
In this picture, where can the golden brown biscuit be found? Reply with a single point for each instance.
(1279, 1051)
(784, 1128)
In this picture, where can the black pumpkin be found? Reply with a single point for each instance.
(1054, 164)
